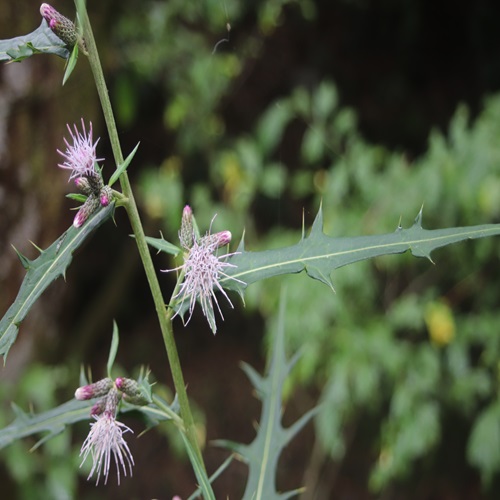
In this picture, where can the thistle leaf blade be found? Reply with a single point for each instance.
(162, 245)
(40, 41)
(263, 453)
(319, 255)
(52, 421)
(42, 271)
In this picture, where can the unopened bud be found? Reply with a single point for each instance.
(95, 182)
(105, 196)
(186, 233)
(219, 239)
(92, 203)
(133, 392)
(98, 407)
(83, 184)
(112, 400)
(60, 25)
(95, 390)
(223, 238)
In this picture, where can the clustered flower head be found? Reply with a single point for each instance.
(105, 440)
(202, 269)
(80, 157)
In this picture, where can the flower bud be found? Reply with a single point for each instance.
(86, 210)
(223, 238)
(59, 24)
(95, 390)
(133, 393)
(218, 240)
(112, 400)
(95, 181)
(186, 233)
(105, 196)
(98, 407)
(83, 184)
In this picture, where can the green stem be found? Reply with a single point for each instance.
(164, 314)
(169, 413)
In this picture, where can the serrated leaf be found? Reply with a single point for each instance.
(40, 41)
(163, 245)
(42, 271)
(263, 453)
(119, 171)
(55, 420)
(25, 262)
(52, 421)
(319, 255)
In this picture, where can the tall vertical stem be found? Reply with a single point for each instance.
(164, 315)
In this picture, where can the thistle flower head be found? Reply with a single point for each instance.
(105, 440)
(203, 269)
(80, 156)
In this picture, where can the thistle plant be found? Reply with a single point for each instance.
(202, 269)
(80, 157)
(105, 440)
(206, 270)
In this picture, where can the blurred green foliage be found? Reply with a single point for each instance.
(52, 471)
(408, 343)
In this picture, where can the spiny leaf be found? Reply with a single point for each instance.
(40, 41)
(54, 421)
(319, 255)
(162, 245)
(42, 271)
(263, 453)
(25, 262)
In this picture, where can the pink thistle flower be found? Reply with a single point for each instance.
(80, 156)
(203, 270)
(105, 441)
